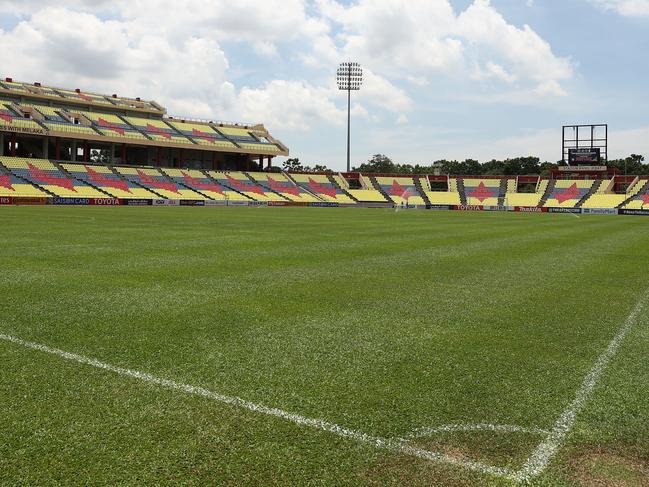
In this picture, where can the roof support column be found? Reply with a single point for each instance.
(112, 153)
(13, 144)
(86, 151)
(46, 147)
(73, 157)
(2, 144)
(57, 149)
(123, 153)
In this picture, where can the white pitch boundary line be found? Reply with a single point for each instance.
(449, 428)
(540, 458)
(378, 442)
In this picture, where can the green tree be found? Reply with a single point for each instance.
(321, 168)
(293, 165)
(379, 163)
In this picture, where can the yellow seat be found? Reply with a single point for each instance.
(443, 197)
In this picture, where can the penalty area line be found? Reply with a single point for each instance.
(545, 451)
(388, 444)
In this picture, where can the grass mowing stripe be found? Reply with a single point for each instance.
(382, 443)
(538, 461)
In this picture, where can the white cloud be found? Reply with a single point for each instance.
(79, 50)
(290, 105)
(628, 8)
(423, 38)
(523, 53)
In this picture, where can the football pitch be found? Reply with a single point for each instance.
(290, 346)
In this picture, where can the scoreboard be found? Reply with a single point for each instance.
(584, 156)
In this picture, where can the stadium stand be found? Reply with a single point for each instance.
(78, 124)
(567, 193)
(637, 196)
(202, 134)
(523, 199)
(118, 186)
(444, 197)
(47, 176)
(110, 125)
(369, 193)
(279, 183)
(158, 183)
(12, 118)
(244, 139)
(399, 190)
(11, 185)
(198, 182)
(85, 97)
(100, 177)
(57, 121)
(321, 186)
(604, 201)
(238, 182)
(158, 130)
(78, 97)
(482, 191)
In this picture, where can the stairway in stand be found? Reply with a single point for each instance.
(643, 190)
(8, 172)
(123, 178)
(227, 187)
(265, 187)
(421, 190)
(462, 190)
(502, 193)
(378, 187)
(67, 173)
(333, 181)
(548, 191)
(593, 189)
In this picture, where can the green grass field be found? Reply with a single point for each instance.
(391, 325)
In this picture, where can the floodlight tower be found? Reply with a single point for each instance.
(350, 78)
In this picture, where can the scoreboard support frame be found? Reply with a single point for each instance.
(586, 136)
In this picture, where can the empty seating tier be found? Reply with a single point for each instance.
(482, 191)
(202, 134)
(11, 185)
(159, 130)
(322, 187)
(11, 118)
(567, 193)
(158, 183)
(400, 190)
(246, 140)
(279, 183)
(111, 125)
(56, 121)
(198, 182)
(638, 195)
(523, 199)
(46, 175)
(443, 197)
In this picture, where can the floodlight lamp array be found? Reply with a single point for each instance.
(349, 76)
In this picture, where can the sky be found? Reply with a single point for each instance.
(450, 79)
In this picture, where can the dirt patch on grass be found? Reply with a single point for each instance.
(608, 468)
(402, 470)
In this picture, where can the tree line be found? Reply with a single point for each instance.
(517, 166)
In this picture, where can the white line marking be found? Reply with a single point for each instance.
(378, 442)
(538, 461)
(448, 428)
